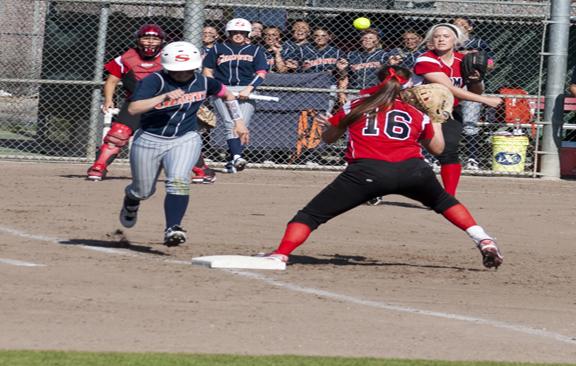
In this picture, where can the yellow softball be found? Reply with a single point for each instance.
(361, 23)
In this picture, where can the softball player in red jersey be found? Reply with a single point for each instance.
(168, 139)
(442, 65)
(384, 157)
(130, 67)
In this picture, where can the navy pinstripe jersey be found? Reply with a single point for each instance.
(408, 57)
(292, 50)
(363, 68)
(235, 64)
(314, 60)
(271, 58)
(173, 118)
(477, 44)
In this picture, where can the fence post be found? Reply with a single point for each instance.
(556, 77)
(93, 139)
(194, 21)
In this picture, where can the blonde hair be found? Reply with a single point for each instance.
(459, 39)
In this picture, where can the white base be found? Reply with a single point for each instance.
(239, 262)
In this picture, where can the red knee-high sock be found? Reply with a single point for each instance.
(459, 216)
(450, 176)
(296, 233)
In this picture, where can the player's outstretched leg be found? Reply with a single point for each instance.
(115, 139)
(461, 217)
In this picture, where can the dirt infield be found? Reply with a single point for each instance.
(394, 280)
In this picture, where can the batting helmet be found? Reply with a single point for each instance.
(239, 25)
(180, 56)
(149, 30)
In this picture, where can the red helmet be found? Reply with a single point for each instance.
(149, 30)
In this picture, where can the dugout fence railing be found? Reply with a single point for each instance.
(51, 73)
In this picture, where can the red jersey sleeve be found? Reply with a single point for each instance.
(342, 112)
(426, 64)
(115, 67)
(427, 130)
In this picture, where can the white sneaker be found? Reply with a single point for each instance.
(229, 168)
(472, 164)
(174, 236)
(491, 256)
(239, 163)
(274, 256)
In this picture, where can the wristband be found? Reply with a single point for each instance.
(257, 81)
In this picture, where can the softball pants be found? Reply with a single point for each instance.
(151, 153)
(365, 179)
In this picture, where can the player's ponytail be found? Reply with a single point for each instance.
(380, 96)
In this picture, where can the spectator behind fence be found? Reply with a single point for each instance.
(406, 55)
(442, 65)
(210, 36)
(319, 55)
(242, 68)
(571, 134)
(133, 65)
(471, 111)
(299, 37)
(256, 34)
(275, 53)
(363, 64)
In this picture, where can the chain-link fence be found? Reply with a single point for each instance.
(51, 71)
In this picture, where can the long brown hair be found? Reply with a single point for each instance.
(382, 96)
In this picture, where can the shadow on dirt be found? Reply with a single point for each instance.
(117, 241)
(347, 260)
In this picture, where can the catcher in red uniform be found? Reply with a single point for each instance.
(384, 157)
(442, 65)
(130, 67)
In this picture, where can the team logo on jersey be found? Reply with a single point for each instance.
(227, 58)
(186, 98)
(319, 61)
(457, 81)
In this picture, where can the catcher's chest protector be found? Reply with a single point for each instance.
(516, 109)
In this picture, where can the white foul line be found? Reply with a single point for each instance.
(16, 262)
(335, 296)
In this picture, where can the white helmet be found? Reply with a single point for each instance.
(238, 24)
(180, 56)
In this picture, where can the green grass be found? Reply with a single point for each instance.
(54, 358)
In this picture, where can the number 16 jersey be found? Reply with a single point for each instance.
(391, 135)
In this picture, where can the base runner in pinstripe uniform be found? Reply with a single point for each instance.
(242, 67)
(168, 102)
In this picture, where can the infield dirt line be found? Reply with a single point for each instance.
(327, 294)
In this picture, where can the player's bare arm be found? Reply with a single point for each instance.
(244, 94)
(435, 145)
(109, 90)
(145, 105)
(441, 78)
(208, 72)
(330, 133)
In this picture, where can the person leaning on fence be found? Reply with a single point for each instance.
(471, 111)
(130, 67)
(255, 36)
(299, 37)
(442, 65)
(168, 139)
(362, 66)
(384, 157)
(242, 68)
(210, 36)
(406, 55)
(275, 53)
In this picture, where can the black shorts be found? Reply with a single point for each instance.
(452, 130)
(365, 179)
(126, 118)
